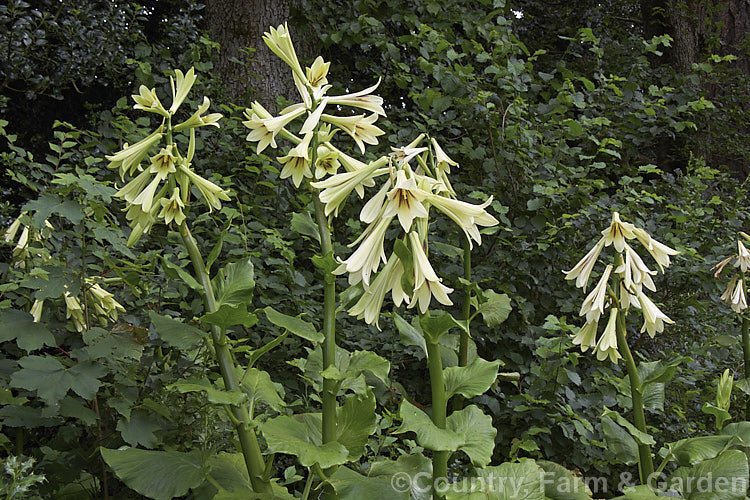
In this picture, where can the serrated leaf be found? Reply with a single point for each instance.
(176, 333)
(471, 380)
(296, 326)
(51, 380)
(495, 309)
(139, 429)
(104, 344)
(235, 283)
(19, 326)
(228, 316)
(161, 475)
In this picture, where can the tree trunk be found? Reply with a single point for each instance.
(247, 66)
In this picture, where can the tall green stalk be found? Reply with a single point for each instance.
(330, 386)
(746, 352)
(248, 440)
(463, 346)
(439, 411)
(645, 460)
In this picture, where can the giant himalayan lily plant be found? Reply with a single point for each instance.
(413, 179)
(160, 191)
(622, 285)
(735, 295)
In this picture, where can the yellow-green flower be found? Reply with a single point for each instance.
(180, 89)
(316, 74)
(593, 305)
(365, 260)
(466, 215)
(405, 200)
(147, 100)
(427, 284)
(618, 232)
(607, 345)
(388, 279)
(74, 311)
(297, 162)
(653, 318)
(359, 127)
(163, 163)
(36, 310)
(280, 43)
(442, 160)
(198, 119)
(326, 162)
(582, 270)
(659, 251)
(263, 129)
(361, 100)
(171, 208)
(212, 194)
(129, 158)
(586, 336)
(337, 188)
(743, 257)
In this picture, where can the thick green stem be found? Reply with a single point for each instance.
(463, 346)
(248, 440)
(746, 351)
(645, 461)
(439, 412)
(330, 386)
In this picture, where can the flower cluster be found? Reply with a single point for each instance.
(734, 294)
(102, 306)
(313, 154)
(631, 275)
(23, 249)
(161, 189)
(407, 194)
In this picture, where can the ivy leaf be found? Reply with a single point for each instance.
(51, 380)
(48, 204)
(471, 380)
(104, 344)
(235, 284)
(297, 326)
(139, 429)
(19, 326)
(161, 475)
(176, 333)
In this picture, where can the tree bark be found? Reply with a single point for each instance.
(247, 66)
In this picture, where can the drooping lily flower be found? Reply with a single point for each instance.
(659, 251)
(582, 270)
(618, 232)
(405, 200)
(607, 345)
(653, 318)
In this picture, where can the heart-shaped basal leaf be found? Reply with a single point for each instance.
(508, 481)
(692, 451)
(428, 434)
(350, 485)
(477, 433)
(19, 326)
(356, 420)
(160, 475)
(415, 471)
(176, 333)
(722, 478)
(471, 380)
(234, 284)
(299, 435)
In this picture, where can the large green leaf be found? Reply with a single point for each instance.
(495, 309)
(477, 433)
(48, 204)
(692, 451)
(234, 284)
(739, 429)
(350, 485)
(619, 442)
(258, 386)
(299, 435)
(658, 371)
(227, 316)
(349, 366)
(410, 473)
(508, 481)
(438, 324)
(640, 437)
(410, 335)
(428, 434)
(471, 380)
(51, 380)
(561, 484)
(176, 333)
(356, 420)
(297, 326)
(19, 326)
(722, 478)
(160, 475)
